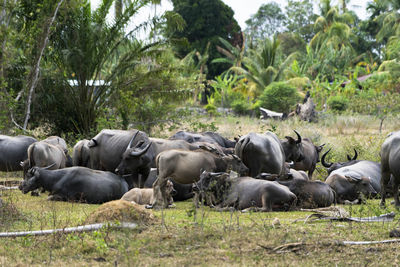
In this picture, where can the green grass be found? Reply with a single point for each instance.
(204, 237)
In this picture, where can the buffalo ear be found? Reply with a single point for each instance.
(290, 139)
(353, 180)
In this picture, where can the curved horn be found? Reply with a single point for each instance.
(355, 155)
(133, 138)
(48, 167)
(298, 137)
(348, 157)
(141, 152)
(326, 165)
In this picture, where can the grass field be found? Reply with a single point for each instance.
(186, 236)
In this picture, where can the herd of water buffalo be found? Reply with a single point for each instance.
(256, 171)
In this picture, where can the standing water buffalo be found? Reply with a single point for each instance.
(14, 150)
(42, 154)
(107, 147)
(349, 181)
(266, 153)
(185, 167)
(76, 184)
(311, 157)
(390, 159)
(243, 192)
(81, 154)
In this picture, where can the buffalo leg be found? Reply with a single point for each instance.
(143, 177)
(396, 192)
(159, 193)
(266, 203)
(384, 182)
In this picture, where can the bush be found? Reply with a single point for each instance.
(338, 103)
(241, 107)
(280, 97)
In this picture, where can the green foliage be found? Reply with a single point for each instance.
(299, 18)
(338, 103)
(241, 106)
(279, 97)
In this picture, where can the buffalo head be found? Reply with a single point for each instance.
(293, 148)
(135, 157)
(334, 166)
(362, 185)
(236, 164)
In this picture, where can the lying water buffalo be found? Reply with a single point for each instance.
(334, 166)
(208, 137)
(182, 191)
(42, 154)
(361, 177)
(144, 196)
(132, 159)
(266, 153)
(310, 194)
(81, 154)
(390, 158)
(185, 167)
(107, 148)
(13, 151)
(76, 184)
(243, 192)
(311, 157)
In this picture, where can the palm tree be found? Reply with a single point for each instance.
(233, 54)
(261, 67)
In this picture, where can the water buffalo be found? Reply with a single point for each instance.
(76, 184)
(334, 166)
(266, 153)
(42, 154)
(81, 154)
(243, 192)
(208, 137)
(107, 148)
(132, 160)
(182, 191)
(144, 196)
(390, 158)
(60, 142)
(185, 167)
(310, 194)
(311, 157)
(14, 150)
(361, 177)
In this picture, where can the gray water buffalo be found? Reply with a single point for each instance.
(310, 194)
(81, 154)
(361, 177)
(185, 167)
(60, 142)
(240, 193)
(266, 153)
(107, 148)
(144, 196)
(334, 166)
(132, 159)
(42, 154)
(311, 157)
(182, 191)
(13, 151)
(76, 184)
(208, 137)
(390, 159)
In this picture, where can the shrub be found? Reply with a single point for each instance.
(241, 107)
(280, 97)
(338, 103)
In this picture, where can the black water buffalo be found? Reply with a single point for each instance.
(42, 154)
(132, 159)
(334, 166)
(182, 191)
(361, 177)
(81, 154)
(107, 148)
(76, 184)
(390, 159)
(185, 167)
(222, 191)
(13, 151)
(266, 153)
(311, 157)
(208, 137)
(310, 194)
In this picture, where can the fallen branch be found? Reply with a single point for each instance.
(82, 228)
